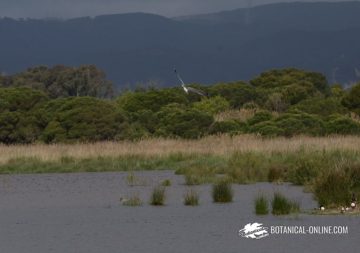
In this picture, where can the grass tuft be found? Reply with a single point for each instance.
(166, 182)
(282, 206)
(191, 198)
(131, 179)
(133, 201)
(158, 196)
(222, 192)
(261, 205)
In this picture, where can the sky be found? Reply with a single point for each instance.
(79, 8)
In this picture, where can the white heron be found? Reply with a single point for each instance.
(189, 89)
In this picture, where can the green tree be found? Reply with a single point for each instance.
(276, 102)
(18, 127)
(337, 91)
(20, 99)
(175, 120)
(338, 124)
(297, 122)
(152, 99)
(321, 106)
(237, 94)
(285, 77)
(84, 119)
(62, 81)
(259, 117)
(212, 105)
(352, 99)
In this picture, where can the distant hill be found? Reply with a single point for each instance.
(224, 46)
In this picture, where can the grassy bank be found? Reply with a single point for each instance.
(244, 159)
(317, 163)
(214, 145)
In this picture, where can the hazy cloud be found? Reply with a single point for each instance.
(77, 8)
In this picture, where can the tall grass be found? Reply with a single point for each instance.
(240, 115)
(158, 196)
(242, 159)
(261, 205)
(283, 206)
(211, 145)
(222, 192)
(191, 198)
(333, 189)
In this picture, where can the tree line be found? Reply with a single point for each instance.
(66, 104)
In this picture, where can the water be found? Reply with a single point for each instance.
(82, 213)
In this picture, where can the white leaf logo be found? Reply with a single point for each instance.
(254, 231)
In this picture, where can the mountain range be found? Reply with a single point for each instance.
(219, 47)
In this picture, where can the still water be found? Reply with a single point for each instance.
(82, 213)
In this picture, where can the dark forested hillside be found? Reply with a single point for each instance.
(225, 46)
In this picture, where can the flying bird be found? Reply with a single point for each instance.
(189, 89)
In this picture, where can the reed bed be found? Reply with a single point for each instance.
(222, 145)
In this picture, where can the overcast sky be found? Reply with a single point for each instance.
(77, 8)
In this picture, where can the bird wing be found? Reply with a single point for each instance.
(178, 76)
(189, 89)
(199, 92)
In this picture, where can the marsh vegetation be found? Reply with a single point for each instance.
(283, 206)
(326, 166)
(222, 192)
(261, 205)
(158, 196)
(191, 198)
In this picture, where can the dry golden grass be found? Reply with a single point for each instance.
(217, 145)
(355, 117)
(239, 114)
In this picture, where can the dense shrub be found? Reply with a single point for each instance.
(260, 117)
(180, 121)
(18, 127)
(86, 119)
(267, 128)
(152, 99)
(298, 103)
(337, 124)
(289, 76)
(212, 105)
(230, 126)
(20, 99)
(276, 102)
(352, 99)
(62, 81)
(237, 93)
(144, 118)
(300, 123)
(321, 106)
(295, 93)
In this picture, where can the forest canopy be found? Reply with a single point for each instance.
(66, 104)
